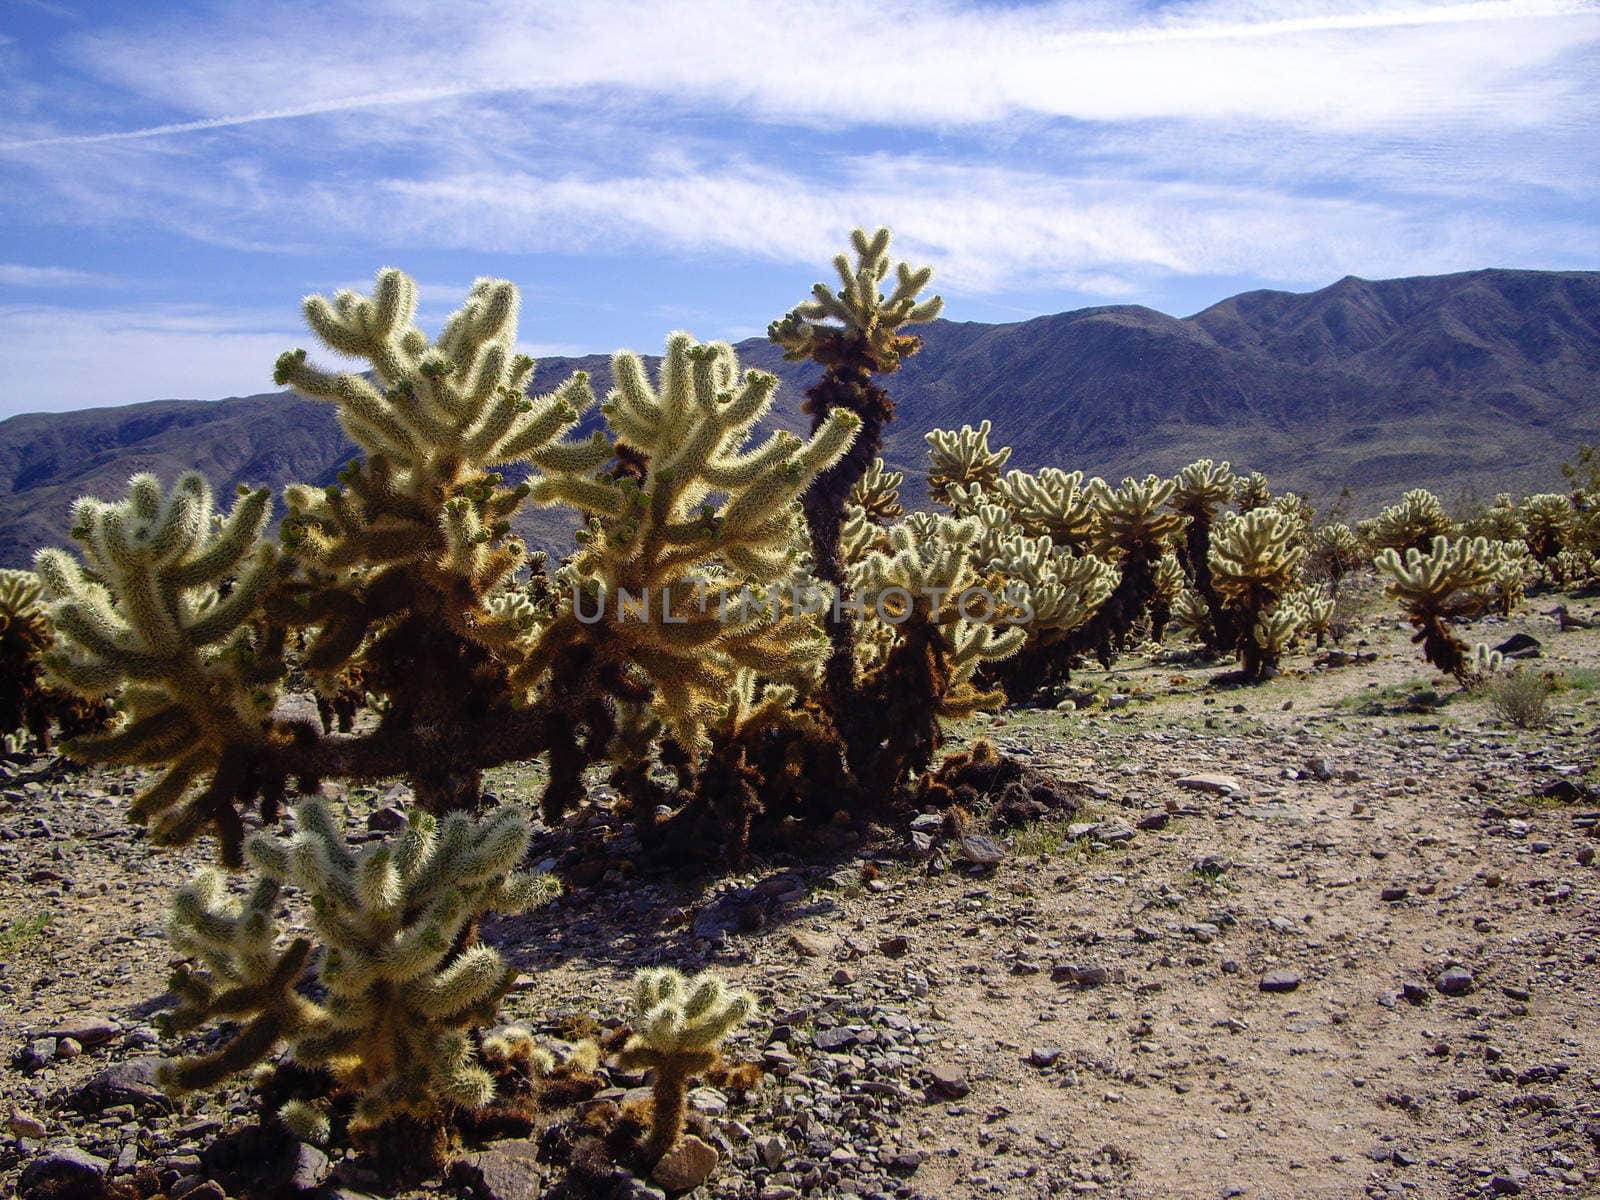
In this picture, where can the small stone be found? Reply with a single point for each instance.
(687, 1165)
(1044, 1056)
(1505, 1185)
(69, 1048)
(810, 945)
(1585, 856)
(1220, 785)
(36, 1053)
(132, 1082)
(506, 1171)
(771, 1151)
(386, 819)
(981, 850)
(949, 1080)
(836, 1038)
(895, 946)
(1390, 895)
(26, 1125)
(1280, 981)
(87, 1031)
(1456, 981)
(66, 1173)
(1414, 992)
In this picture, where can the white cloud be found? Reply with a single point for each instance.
(18, 275)
(114, 356)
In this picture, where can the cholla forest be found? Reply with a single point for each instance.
(780, 711)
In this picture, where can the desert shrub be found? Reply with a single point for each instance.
(1519, 697)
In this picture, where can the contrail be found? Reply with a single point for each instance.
(340, 104)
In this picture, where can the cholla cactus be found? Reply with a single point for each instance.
(1549, 523)
(924, 591)
(877, 493)
(403, 979)
(27, 701)
(1438, 587)
(1571, 568)
(661, 547)
(1485, 662)
(1203, 487)
(1135, 530)
(1414, 522)
(1276, 630)
(1254, 562)
(1192, 615)
(165, 617)
(1170, 583)
(1335, 552)
(1251, 492)
(681, 1026)
(1052, 503)
(1316, 608)
(854, 335)
(1499, 521)
(962, 458)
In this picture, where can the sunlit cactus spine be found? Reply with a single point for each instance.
(681, 1025)
(1437, 588)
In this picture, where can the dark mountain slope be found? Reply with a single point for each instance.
(1472, 382)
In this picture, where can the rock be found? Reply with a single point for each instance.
(949, 1080)
(132, 1082)
(386, 819)
(26, 1125)
(1520, 645)
(836, 1038)
(810, 945)
(930, 823)
(36, 1053)
(771, 1151)
(1456, 981)
(87, 1031)
(1505, 1185)
(67, 1048)
(203, 1189)
(1044, 1056)
(984, 851)
(1414, 992)
(505, 1171)
(686, 1166)
(65, 1173)
(1219, 785)
(1390, 895)
(1280, 981)
(307, 1168)
(895, 946)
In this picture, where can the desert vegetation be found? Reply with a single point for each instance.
(756, 649)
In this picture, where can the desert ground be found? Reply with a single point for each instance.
(1337, 935)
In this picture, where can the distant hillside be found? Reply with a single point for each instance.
(1477, 382)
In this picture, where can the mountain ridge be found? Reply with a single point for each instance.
(1483, 379)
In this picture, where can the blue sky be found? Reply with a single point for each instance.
(174, 177)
